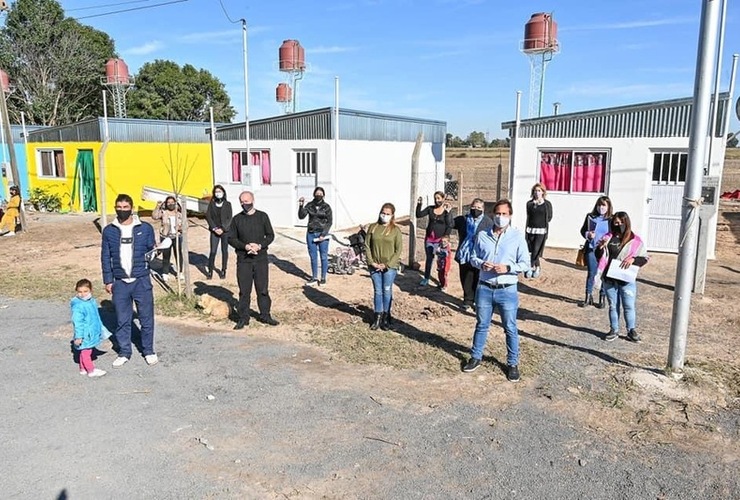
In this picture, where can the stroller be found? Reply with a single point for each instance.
(350, 255)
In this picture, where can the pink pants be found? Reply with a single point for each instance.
(86, 362)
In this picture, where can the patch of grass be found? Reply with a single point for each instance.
(171, 304)
(59, 284)
(699, 373)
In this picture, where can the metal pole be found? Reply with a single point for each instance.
(730, 97)
(213, 148)
(713, 125)
(11, 153)
(512, 148)
(542, 85)
(692, 190)
(336, 143)
(101, 164)
(246, 99)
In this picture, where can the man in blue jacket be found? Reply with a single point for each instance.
(126, 242)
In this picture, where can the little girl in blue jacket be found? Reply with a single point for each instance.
(88, 328)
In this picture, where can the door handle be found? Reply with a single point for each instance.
(649, 200)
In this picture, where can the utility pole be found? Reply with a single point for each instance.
(414, 191)
(689, 234)
(11, 152)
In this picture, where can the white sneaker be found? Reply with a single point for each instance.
(151, 359)
(97, 373)
(83, 372)
(10, 233)
(120, 361)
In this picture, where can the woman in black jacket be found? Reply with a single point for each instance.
(317, 233)
(218, 216)
(440, 225)
(539, 215)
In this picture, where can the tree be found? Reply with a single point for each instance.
(455, 142)
(165, 91)
(732, 140)
(55, 63)
(477, 139)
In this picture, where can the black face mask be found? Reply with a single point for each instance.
(318, 199)
(475, 213)
(123, 215)
(619, 230)
(247, 207)
(170, 207)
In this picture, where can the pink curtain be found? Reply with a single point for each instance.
(236, 166)
(555, 170)
(266, 168)
(589, 173)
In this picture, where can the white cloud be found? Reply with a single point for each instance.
(144, 49)
(334, 49)
(627, 25)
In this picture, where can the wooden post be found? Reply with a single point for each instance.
(498, 181)
(185, 257)
(413, 194)
(459, 193)
(11, 152)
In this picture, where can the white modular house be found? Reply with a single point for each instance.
(361, 159)
(637, 155)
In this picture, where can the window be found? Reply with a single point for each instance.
(574, 171)
(51, 162)
(670, 168)
(305, 163)
(261, 158)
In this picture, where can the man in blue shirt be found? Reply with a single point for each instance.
(500, 253)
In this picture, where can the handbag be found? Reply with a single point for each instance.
(580, 258)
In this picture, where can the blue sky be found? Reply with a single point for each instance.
(451, 60)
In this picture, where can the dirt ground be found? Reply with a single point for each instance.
(614, 391)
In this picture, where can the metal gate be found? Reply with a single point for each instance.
(665, 201)
(305, 179)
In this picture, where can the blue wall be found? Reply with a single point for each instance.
(20, 156)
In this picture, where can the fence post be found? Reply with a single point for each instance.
(185, 257)
(498, 181)
(460, 193)
(414, 191)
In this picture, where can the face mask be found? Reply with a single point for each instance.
(170, 207)
(247, 207)
(318, 199)
(602, 209)
(619, 229)
(475, 213)
(385, 218)
(219, 195)
(501, 220)
(123, 215)
(86, 296)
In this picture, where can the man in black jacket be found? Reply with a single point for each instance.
(468, 226)
(250, 234)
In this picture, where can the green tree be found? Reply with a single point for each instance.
(166, 91)
(455, 142)
(477, 139)
(54, 63)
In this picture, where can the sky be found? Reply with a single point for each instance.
(458, 61)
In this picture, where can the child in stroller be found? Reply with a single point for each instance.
(348, 255)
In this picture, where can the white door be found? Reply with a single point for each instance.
(665, 201)
(305, 179)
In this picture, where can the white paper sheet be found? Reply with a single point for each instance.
(616, 272)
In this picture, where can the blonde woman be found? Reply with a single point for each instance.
(539, 215)
(383, 251)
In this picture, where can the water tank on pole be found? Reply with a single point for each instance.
(116, 72)
(292, 56)
(283, 93)
(540, 33)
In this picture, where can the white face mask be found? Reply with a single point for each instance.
(86, 296)
(219, 195)
(385, 218)
(501, 220)
(603, 209)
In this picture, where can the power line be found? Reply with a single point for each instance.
(228, 16)
(131, 9)
(92, 7)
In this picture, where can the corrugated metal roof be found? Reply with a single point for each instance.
(670, 118)
(17, 131)
(124, 130)
(353, 125)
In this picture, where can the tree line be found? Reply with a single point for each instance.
(56, 67)
(476, 140)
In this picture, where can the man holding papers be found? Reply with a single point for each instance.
(621, 253)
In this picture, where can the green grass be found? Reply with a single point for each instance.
(173, 305)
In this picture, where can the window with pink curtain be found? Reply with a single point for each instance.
(236, 166)
(555, 170)
(589, 172)
(266, 168)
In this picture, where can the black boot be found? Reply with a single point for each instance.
(385, 322)
(377, 321)
(600, 303)
(587, 301)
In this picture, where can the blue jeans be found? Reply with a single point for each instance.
(430, 249)
(383, 289)
(322, 249)
(626, 295)
(592, 265)
(507, 302)
(124, 297)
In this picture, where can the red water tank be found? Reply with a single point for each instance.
(116, 72)
(283, 93)
(292, 56)
(540, 33)
(4, 81)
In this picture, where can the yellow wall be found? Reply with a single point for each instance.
(128, 168)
